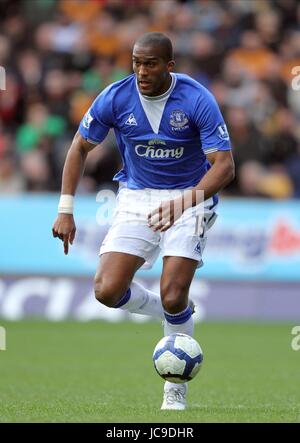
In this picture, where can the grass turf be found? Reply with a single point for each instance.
(103, 372)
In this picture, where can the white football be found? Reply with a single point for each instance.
(177, 358)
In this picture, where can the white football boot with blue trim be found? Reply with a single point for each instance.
(174, 396)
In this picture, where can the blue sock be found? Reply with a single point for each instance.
(180, 317)
(125, 298)
(139, 300)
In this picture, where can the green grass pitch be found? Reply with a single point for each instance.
(103, 372)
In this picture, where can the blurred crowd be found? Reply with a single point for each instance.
(59, 54)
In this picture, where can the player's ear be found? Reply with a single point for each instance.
(171, 65)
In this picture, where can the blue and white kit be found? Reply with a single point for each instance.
(163, 142)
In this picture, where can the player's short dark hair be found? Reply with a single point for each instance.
(157, 39)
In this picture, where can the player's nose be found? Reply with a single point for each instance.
(142, 71)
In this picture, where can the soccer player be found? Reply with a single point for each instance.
(176, 157)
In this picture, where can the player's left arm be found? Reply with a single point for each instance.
(217, 178)
(216, 144)
(219, 175)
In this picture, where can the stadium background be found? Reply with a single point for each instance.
(58, 55)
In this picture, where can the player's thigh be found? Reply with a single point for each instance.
(117, 269)
(177, 275)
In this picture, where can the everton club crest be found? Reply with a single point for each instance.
(178, 120)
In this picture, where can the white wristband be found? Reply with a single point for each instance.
(65, 205)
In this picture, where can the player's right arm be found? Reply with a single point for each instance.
(93, 129)
(64, 226)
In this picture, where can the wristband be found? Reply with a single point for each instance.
(65, 205)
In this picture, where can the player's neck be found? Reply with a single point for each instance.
(165, 88)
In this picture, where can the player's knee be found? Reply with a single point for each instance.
(174, 297)
(106, 293)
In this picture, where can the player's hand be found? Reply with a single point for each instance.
(64, 228)
(163, 217)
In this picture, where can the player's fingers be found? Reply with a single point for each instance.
(152, 214)
(157, 227)
(56, 234)
(66, 244)
(166, 226)
(162, 223)
(154, 220)
(160, 220)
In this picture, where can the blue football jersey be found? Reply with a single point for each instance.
(173, 157)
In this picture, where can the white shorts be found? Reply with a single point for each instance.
(131, 234)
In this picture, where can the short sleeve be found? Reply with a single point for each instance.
(210, 123)
(98, 120)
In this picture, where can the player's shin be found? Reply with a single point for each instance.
(139, 300)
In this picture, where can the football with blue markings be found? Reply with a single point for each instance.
(177, 358)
